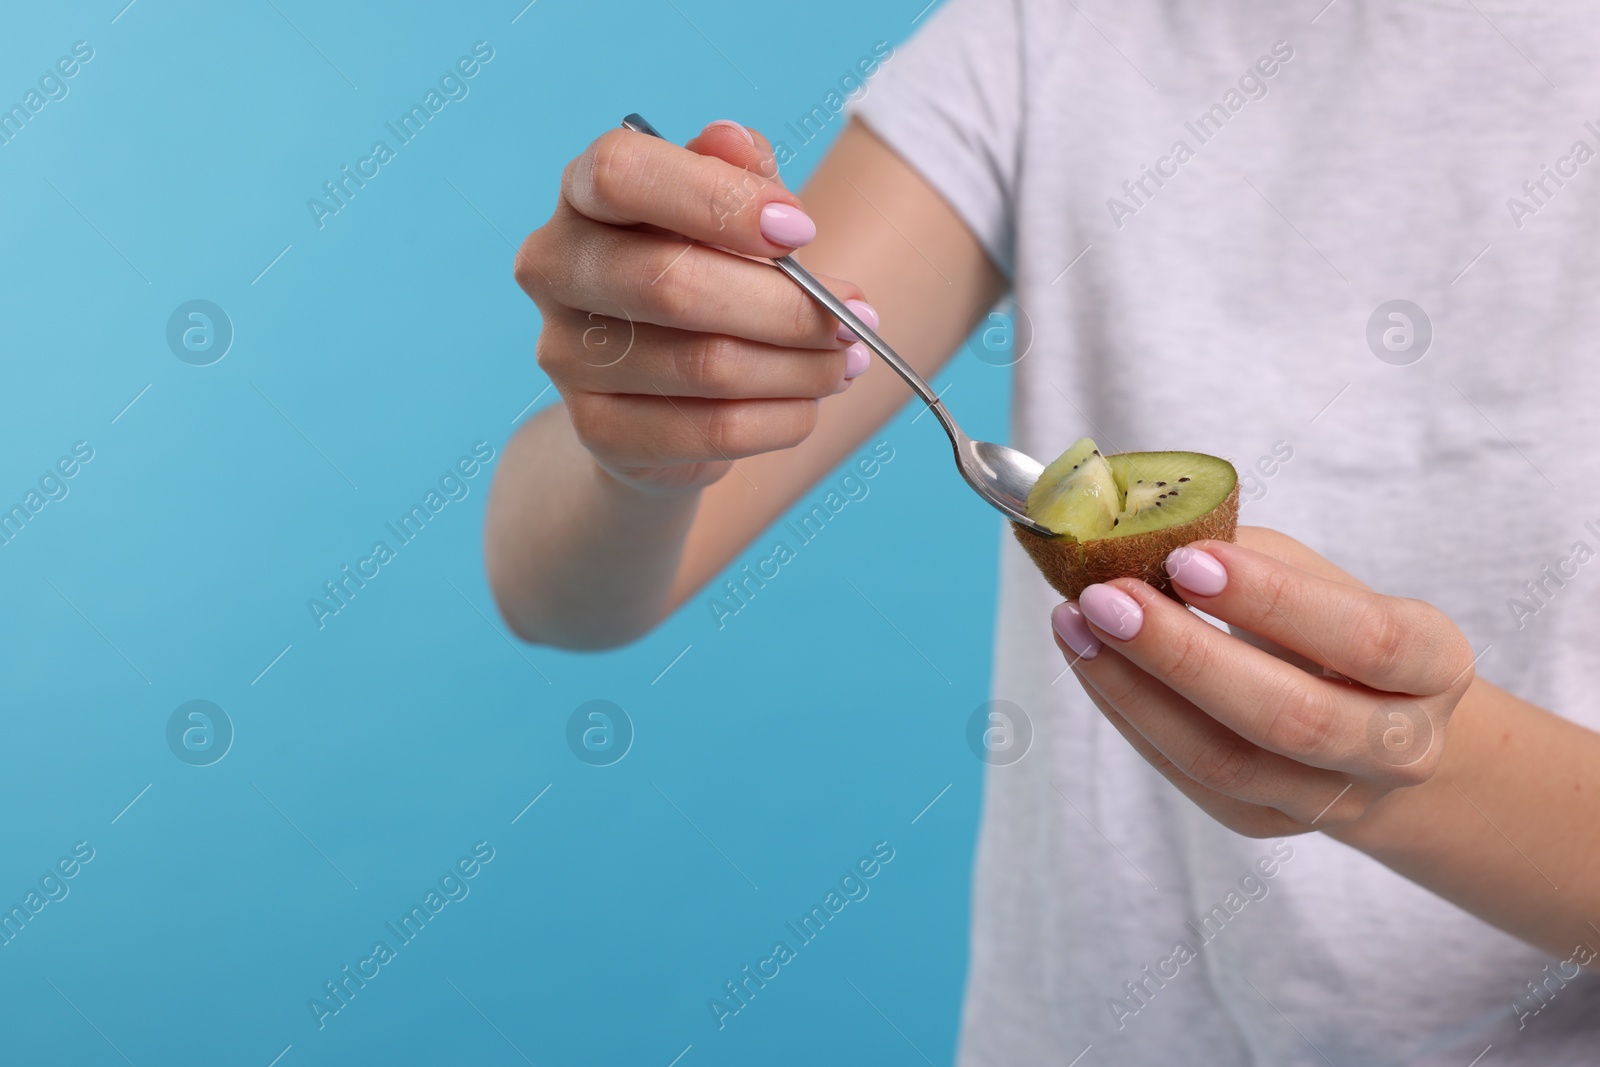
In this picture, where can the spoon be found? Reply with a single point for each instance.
(1000, 475)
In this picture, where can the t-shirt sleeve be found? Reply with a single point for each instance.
(948, 101)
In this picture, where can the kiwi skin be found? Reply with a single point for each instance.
(1071, 566)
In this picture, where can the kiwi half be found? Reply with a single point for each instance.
(1119, 516)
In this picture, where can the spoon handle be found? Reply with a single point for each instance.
(820, 293)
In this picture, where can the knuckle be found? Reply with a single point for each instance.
(1276, 587)
(547, 349)
(1420, 769)
(526, 268)
(1190, 659)
(1120, 689)
(588, 417)
(727, 196)
(804, 318)
(1225, 768)
(747, 428)
(1382, 641)
(611, 161)
(727, 424)
(668, 283)
(1304, 722)
(713, 364)
(602, 342)
(1464, 665)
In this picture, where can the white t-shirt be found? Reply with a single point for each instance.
(1220, 302)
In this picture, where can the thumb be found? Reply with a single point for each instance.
(743, 147)
(733, 143)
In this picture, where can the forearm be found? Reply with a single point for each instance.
(1509, 826)
(577, 559)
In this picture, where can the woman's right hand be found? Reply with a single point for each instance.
(674, 353)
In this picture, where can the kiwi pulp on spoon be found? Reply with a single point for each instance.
(1119, 516)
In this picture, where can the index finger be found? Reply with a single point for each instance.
(1258, 696)
(626, 178)
(1393, 644)
(1281, 546)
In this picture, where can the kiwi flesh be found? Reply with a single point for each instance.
(1119, 516)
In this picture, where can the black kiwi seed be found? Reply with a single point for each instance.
(1160, 484)
(1183, 479)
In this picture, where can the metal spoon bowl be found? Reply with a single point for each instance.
(998, 474)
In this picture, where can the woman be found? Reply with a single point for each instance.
(1354, 250)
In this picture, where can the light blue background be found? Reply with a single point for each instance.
(372, 754)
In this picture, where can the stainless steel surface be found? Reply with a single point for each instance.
(998, 474)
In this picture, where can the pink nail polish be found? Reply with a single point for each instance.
(785, 225)
(857, 358)
(732, 126)
(1069, 624)
(865, 312)
(1197, 571)
(1114, 611)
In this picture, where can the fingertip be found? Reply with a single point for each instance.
(1215, 547)
(738, 144)
(857, 361)
(1196, 570)
(865, 312)
(1068, 622)
(1113, 610)
(786, 225)
(729, 124)
(766, 162)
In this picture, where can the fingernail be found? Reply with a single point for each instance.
(1197, 571)
(1068, 622)
(785, 225)
(857, 359)
(865, 312)
(1114, 611)
(732, 126)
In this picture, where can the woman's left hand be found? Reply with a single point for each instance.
(1353, 707)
